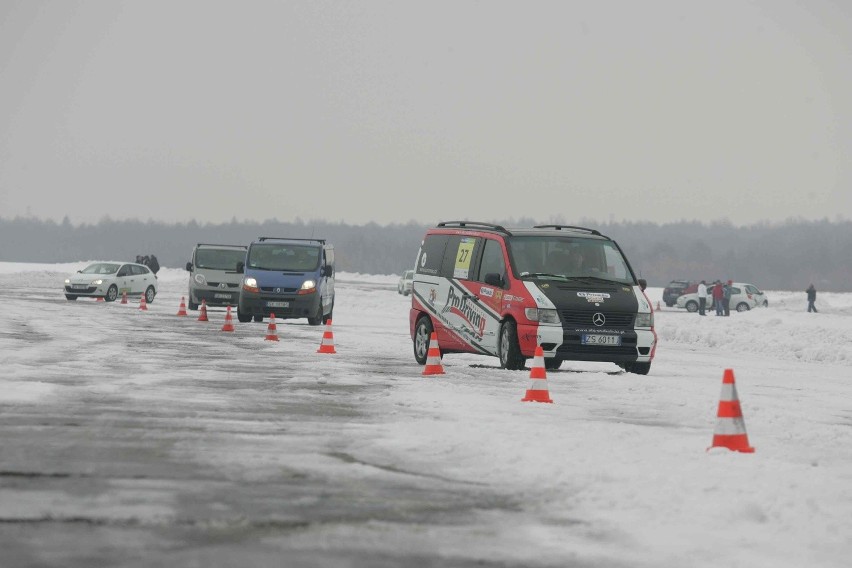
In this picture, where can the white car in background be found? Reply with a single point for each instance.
(743, 298)
(108, 280)
(404, 285)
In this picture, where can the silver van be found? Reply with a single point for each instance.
(213, 274)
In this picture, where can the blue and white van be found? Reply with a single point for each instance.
(291, 278)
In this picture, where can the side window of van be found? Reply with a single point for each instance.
(459, 256)
(432, 254)
(492, 261)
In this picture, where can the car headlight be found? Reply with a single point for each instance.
(200, 279)
(97, 282)
(250, 285)
(644, 320)
(542, 315)
(308, 287)
(67, 281)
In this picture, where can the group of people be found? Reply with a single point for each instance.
(721, 296)
(150, 261)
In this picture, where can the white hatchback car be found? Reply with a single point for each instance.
(743, 298)
(108, 280)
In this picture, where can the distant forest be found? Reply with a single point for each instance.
(783, 256)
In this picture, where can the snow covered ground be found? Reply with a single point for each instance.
(139, 438)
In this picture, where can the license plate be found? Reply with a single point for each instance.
(222, 296)
(79, 286)
(595, 339)
(277, 304)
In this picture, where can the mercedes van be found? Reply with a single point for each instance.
(213, 275)
(291, 278)
(494, 291)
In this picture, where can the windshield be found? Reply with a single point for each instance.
(219, 259)
(101, 268)
(284, 257)
(560, 257)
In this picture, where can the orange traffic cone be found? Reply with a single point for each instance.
(143, 305)
(433, 357)
(538, 388)
(271, 330)
(730, 429)
(182, 308)
(327, 345)
(124, 297)
(202, 311)
(229, 322)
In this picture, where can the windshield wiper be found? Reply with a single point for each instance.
(596, 278)
(541, 275)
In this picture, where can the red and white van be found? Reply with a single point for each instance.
(502, 292)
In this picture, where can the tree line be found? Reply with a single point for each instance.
(775, 256)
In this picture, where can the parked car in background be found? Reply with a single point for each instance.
(404, 285)
(743, 298)
(674, 289)
(109, 279)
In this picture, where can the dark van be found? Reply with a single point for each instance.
(490, 290)
(292, 278)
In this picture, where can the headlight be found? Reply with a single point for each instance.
(644, 320)
(200, 279)
(542, 315)
(250, 285)
(97, 282)
(67, 281)
(308, 287)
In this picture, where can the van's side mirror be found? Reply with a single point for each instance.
(189, 266)
(642, 284)
(494, 279)
(327, 270)
(241, 267)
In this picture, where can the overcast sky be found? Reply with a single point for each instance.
(396, 111)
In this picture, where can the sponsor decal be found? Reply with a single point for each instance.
(487, 292)
(545, 285)
(463, 307)
(511, 298)
(596, 298)
(432, 295)
(423, 260)
(498, 295)
(463, 257)
(529, 336)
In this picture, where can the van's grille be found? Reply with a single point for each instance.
(614, 320)
(604, 350)
(227, 284)
(270, 290)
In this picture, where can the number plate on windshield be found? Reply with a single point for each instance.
(597, 339)
(277, 304)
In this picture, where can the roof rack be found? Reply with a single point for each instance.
(473, 224)
(218, 245)
(322, 241)
(571, 227)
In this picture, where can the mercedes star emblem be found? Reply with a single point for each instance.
(598, 319)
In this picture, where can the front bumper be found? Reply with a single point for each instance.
(282, 305)
(215, 296)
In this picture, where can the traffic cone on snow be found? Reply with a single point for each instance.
(730, 429)
(202, 311)
(182, 308)
(143, 305)
(271, 330)
(124, 297)
(538, 374)
(229, 322)
(99, 299)
(327, 345)
(658, 305)
(433, 357)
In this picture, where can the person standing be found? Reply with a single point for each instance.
(811, 298)
(702, 297)
(718, 298)
(727, 299)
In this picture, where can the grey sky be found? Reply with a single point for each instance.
(393, 111)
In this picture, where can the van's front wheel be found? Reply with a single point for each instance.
(510, 350)
(317, 318)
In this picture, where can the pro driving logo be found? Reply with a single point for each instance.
(462, 307)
